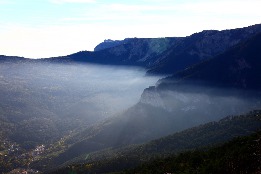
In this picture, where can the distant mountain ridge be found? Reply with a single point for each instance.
(108, 43)
(163, 55)
(169, 55)
(136, 52)
(201, 46)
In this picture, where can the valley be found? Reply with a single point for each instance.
(133, 104)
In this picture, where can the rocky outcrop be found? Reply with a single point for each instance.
(151, 97)
(108, 43)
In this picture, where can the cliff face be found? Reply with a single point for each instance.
(144, 50)
(151, 97)
(108, 43)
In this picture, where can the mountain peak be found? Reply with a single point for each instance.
(109, 43)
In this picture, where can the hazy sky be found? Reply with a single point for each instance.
(44, 28)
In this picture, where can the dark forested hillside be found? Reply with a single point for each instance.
(201, 137)
(242, 155)
(201, 46)
(238, 67)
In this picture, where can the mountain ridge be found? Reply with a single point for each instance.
(238, 67)
(163, 55)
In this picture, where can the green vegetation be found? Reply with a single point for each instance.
(199, 141)
(241, 155)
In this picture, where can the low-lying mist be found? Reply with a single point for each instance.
(107, 89)
(191, 103)
(162, 112)
(69, 96)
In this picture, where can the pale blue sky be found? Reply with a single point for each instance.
(44, 28)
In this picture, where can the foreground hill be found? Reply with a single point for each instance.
(242, 155)
(201, 137)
